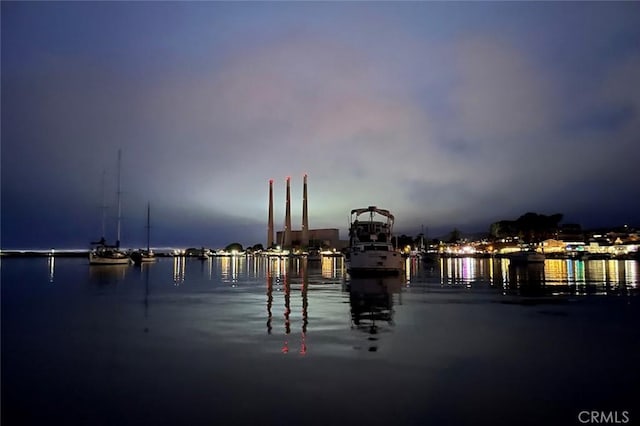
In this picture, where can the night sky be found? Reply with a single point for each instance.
(448, 114)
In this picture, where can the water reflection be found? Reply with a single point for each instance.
(52, 268)
(178, 270)
(526, 279)
(460, 271)
(371, 303)
(331, 266)
(107, 274)
(231, 268)
(269, 299)
(554, 276)
(282, 273)
(145, 270)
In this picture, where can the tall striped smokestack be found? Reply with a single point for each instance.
(287, 218)
(305, 216)
(270, 224)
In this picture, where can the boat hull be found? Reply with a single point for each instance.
(375, 263)
(95, 259)
(139, 257)
(527, 257)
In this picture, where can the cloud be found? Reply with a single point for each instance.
(453, 126)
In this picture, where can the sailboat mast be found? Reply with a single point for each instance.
(148, 224)
(103, 206)
(119, 201)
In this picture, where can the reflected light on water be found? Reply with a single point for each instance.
(52, 268)
(498, 271)
(563, 275)
(331, 266)
(631, 275)
(178, 270)
(460, 270)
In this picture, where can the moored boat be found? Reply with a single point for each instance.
(370, 249)
(102, 253)
(526, 256)
(145, 256)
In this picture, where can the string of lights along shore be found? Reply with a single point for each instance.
(290, 238)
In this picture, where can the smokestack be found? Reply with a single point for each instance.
(287, 217)
(305, 216)
(270, 224)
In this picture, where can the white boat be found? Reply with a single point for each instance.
(526, 256)
(102, 253)
(370, 249)
(145, 256)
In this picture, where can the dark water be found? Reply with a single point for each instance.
(257, 341)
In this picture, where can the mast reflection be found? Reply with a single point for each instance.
(145, 269)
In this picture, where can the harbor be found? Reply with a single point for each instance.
(246, 340)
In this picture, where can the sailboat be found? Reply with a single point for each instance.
(103, 253)
(145, 256)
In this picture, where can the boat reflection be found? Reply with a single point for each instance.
(107, 274)
(371, 302)
(145, 266)
(527, 279)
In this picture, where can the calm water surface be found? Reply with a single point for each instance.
(279, 342)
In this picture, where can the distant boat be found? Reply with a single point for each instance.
(145, 256)
(526, 256)
(102, 253)
(430, 256)
(204, 254)
(595, 256)
(370, 249)
(313, 254)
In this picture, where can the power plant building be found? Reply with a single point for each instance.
(328, 237)
(306, 237)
